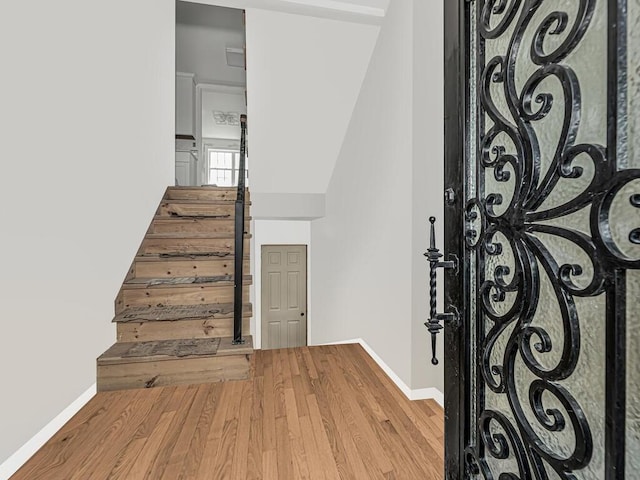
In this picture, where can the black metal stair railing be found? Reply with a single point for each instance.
(239, 237)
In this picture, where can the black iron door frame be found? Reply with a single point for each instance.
(613, 265)
(455, 122)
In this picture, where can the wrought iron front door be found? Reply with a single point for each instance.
(543, 209)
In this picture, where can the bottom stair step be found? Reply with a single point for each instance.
(127, 365)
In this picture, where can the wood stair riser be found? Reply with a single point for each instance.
(191, 295)
(173, 372)
(195, 225)
(188, 245)
(203, 193)
(173, 268)
(176, 329)
(182, 209)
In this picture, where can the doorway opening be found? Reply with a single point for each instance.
(210, 92)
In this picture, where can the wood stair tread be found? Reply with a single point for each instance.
(203, 187)
(175, 218)
(199, 209)
(171, 313)
(181, 282)
(163, 350)
(189, 235)
(199, 201)
(201, 256)
(208, 192)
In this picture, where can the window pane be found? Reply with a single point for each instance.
(223, 167)
(220, 177)
(219, 159)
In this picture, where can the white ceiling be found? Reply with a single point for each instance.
(207, 16)
(365, 7)
(203, 32)
(359, 11)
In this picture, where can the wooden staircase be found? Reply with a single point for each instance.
(174, 311)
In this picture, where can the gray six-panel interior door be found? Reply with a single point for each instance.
(542, 164)
(284, 296)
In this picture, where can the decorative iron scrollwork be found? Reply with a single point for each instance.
(516, 226)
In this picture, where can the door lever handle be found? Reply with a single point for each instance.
(433, 324)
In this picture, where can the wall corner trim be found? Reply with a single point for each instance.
(418, 394)
(24, 453)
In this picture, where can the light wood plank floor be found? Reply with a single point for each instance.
(324, 412)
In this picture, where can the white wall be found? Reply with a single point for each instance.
(362, 265)
(427, 179)
(221, 98)
(303, 78)
(74, 206)
(287, 206)
(276, 232)
(185, 103)
(427, 182)
(368, 270)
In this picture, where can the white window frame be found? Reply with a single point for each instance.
(210, 148)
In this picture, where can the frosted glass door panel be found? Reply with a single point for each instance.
(552, 235)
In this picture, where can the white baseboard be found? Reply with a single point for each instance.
(431, 392)
(419, 394)
(24, 453)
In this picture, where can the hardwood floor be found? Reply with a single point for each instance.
(322, 412)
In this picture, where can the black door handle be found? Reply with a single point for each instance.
(433, 323)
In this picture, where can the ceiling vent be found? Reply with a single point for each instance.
(235, 56)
